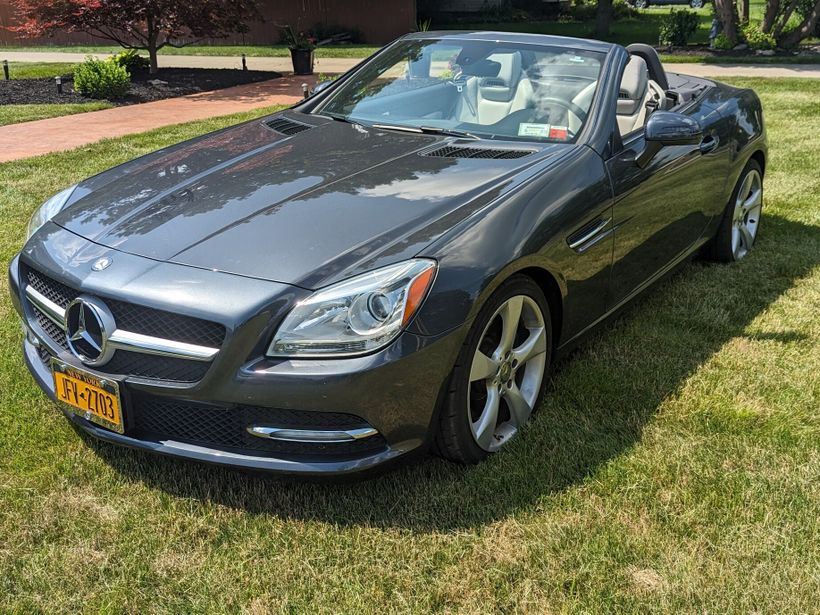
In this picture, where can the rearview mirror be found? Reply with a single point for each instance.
(665, 128)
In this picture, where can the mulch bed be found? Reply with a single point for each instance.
(180, 81)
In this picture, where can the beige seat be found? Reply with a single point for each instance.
(487, 100)
(635, 94)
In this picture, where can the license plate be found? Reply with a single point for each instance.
(89, 396)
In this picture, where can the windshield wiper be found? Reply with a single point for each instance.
(449, 132)
(341, 118)
(430, 130)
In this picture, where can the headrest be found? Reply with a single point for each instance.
(633, 86)
(502, 87)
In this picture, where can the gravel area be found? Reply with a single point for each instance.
(178, 82)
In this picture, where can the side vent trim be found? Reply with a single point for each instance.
(455, 151)
(286, 126)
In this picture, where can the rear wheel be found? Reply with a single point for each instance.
(741, 220)
(499, 378)
(641, 4)
(696, 4)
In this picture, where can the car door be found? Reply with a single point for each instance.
(661, 211)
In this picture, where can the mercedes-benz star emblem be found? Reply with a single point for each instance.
(88, 323)
(101, 263)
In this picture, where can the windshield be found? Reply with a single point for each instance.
(483, 89)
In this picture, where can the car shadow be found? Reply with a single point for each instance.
(593, 412)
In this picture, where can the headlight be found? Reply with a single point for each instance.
(48, 210)
(356, 316)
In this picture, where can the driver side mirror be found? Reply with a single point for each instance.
(322, 85)
(665, 128)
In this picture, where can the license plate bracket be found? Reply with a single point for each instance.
(94, 398)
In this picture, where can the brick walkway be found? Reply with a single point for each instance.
(63, 133)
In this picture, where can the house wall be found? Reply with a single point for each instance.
(379, 21)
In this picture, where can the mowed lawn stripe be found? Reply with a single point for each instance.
(673, 467)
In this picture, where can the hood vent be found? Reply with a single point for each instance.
(453, 151)
(286, 126)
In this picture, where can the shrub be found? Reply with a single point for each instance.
(101, 79)
(756, 38)
(677, 27)
(132, 61)
(722, 42)
(622, 10)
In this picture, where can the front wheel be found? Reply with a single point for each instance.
(696, 4)
(741, 220)
(641, 4)
(499, 378)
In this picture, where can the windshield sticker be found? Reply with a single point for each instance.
(534, 130)
(559, 132)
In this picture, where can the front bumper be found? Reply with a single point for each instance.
(394, 391)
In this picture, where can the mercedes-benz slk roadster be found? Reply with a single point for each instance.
(391, 265)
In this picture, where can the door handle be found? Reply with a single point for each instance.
(708, 144)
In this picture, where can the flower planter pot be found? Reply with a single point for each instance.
(302, 61)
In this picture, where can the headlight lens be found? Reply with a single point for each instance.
(356, 316)
(48, 210)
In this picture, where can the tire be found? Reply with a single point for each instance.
(511, 381)
(696, 4)
(740, 224)
(641, 4)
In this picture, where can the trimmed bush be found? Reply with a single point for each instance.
(677, 27)
(722, 42)
(132, 61)
(756, 38)
(101, 79)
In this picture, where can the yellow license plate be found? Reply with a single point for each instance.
(89, 396)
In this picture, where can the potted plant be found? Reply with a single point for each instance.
(301, 50)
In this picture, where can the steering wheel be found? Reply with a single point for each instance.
(568, 105)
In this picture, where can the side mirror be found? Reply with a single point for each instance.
(321, 86)
(666, 128)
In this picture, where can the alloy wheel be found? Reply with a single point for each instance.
(506, 372)
(746, 217)
(696, 4)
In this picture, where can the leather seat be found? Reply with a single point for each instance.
(635, 95)
(487, 100)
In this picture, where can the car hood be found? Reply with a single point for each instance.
(306, 209)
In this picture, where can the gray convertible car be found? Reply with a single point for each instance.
(391, 265)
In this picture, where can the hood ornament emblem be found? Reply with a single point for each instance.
(102, 263)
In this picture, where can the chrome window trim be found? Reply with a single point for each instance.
(128, 340)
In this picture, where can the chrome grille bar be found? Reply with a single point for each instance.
(128, 340)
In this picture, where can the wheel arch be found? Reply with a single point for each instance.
(552, 291)
(759, 157)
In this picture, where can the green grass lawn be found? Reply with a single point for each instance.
(674, 466)
(40, 70)
(261, 51)
(14, 114)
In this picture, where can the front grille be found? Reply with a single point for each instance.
(137, 319)
(225, 428)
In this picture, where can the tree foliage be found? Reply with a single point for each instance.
(137, 24)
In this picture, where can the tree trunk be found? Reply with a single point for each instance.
(804, 30)
(152, 56)
(769, 16)
(152, 35)
(726, 13)
(744, 11)
(603, 17)
(778, 30)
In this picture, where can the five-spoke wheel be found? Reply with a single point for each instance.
(741, 220)
(499, 380)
